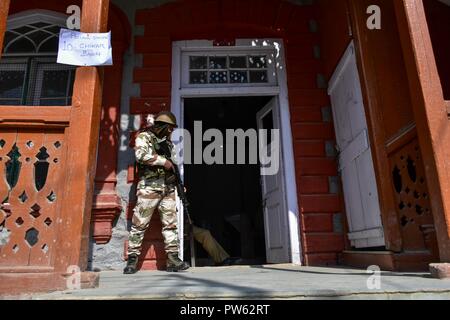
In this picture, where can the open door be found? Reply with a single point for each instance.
(274, 204)
(355, 157)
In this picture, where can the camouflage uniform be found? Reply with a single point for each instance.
(154, 191)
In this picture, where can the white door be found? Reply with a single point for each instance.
(274, 205)
(355, 157)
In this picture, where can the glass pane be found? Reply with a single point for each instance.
(53, 102)
(197, 62)
(55, 84)
(238, 62)
(54, 29)
(198, 77)
(258, 77)
(38, 36)
(71, 82)
(21, 46)
(267, 123)
(257, 62)
(217, 62)
(11, 84)
(51, 45)
(218, 77)
(40, 24)
(10, 102)
(23, 29)
(238, 76)
(8, 37)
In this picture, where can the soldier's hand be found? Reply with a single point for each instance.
(168, 165)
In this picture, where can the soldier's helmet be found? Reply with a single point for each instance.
(167, 117)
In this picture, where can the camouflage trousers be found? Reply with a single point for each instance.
(148, 200)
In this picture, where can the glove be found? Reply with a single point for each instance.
(168, 165)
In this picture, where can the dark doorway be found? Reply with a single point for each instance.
(226, 199)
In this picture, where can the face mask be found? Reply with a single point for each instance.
(161, 130)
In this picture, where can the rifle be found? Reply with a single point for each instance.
(182, 195)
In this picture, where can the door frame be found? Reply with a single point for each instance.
(292, 214)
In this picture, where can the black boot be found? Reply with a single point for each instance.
(174, 264)
(131, 264)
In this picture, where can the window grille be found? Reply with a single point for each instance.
(29, 74)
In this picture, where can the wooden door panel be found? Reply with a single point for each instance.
(412, 198)
(31, 203)
(275, 223)
(355, 158)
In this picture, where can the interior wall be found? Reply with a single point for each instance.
(221, 194)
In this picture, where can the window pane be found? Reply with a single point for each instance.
(197, 62)
(23, 29)
(52, 102)
(217, 62)
(238, 76)
(7, 102)
(11, 84)
(53, 29)
(21, 46)
(8, 37)
(258, 76)
(257, 62)
(38, 36)
(55, 84)
(198, 77)
(218, 77)
(40, 24)
(267, 123)
(51, 45)
(238, 62)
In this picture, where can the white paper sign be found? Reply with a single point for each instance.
(84, 49)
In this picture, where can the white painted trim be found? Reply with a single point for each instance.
(34, 16)
(345, 60)
(290, 187)
(229, 91)
(366, 234)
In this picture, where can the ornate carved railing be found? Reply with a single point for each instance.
(32, 151)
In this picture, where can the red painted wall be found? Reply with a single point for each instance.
(438, 16)
(335, 32)
(230, 19)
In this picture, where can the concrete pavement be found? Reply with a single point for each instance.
(261, 282)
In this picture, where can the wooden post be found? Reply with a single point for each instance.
(82, 147)
(4, 8)
(430, 113)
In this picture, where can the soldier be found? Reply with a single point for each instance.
(156, 189)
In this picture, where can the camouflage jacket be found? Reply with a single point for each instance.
(150, 164)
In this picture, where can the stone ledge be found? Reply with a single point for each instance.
(440, 270)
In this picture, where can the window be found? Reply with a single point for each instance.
(29, 74)
(234, 69)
